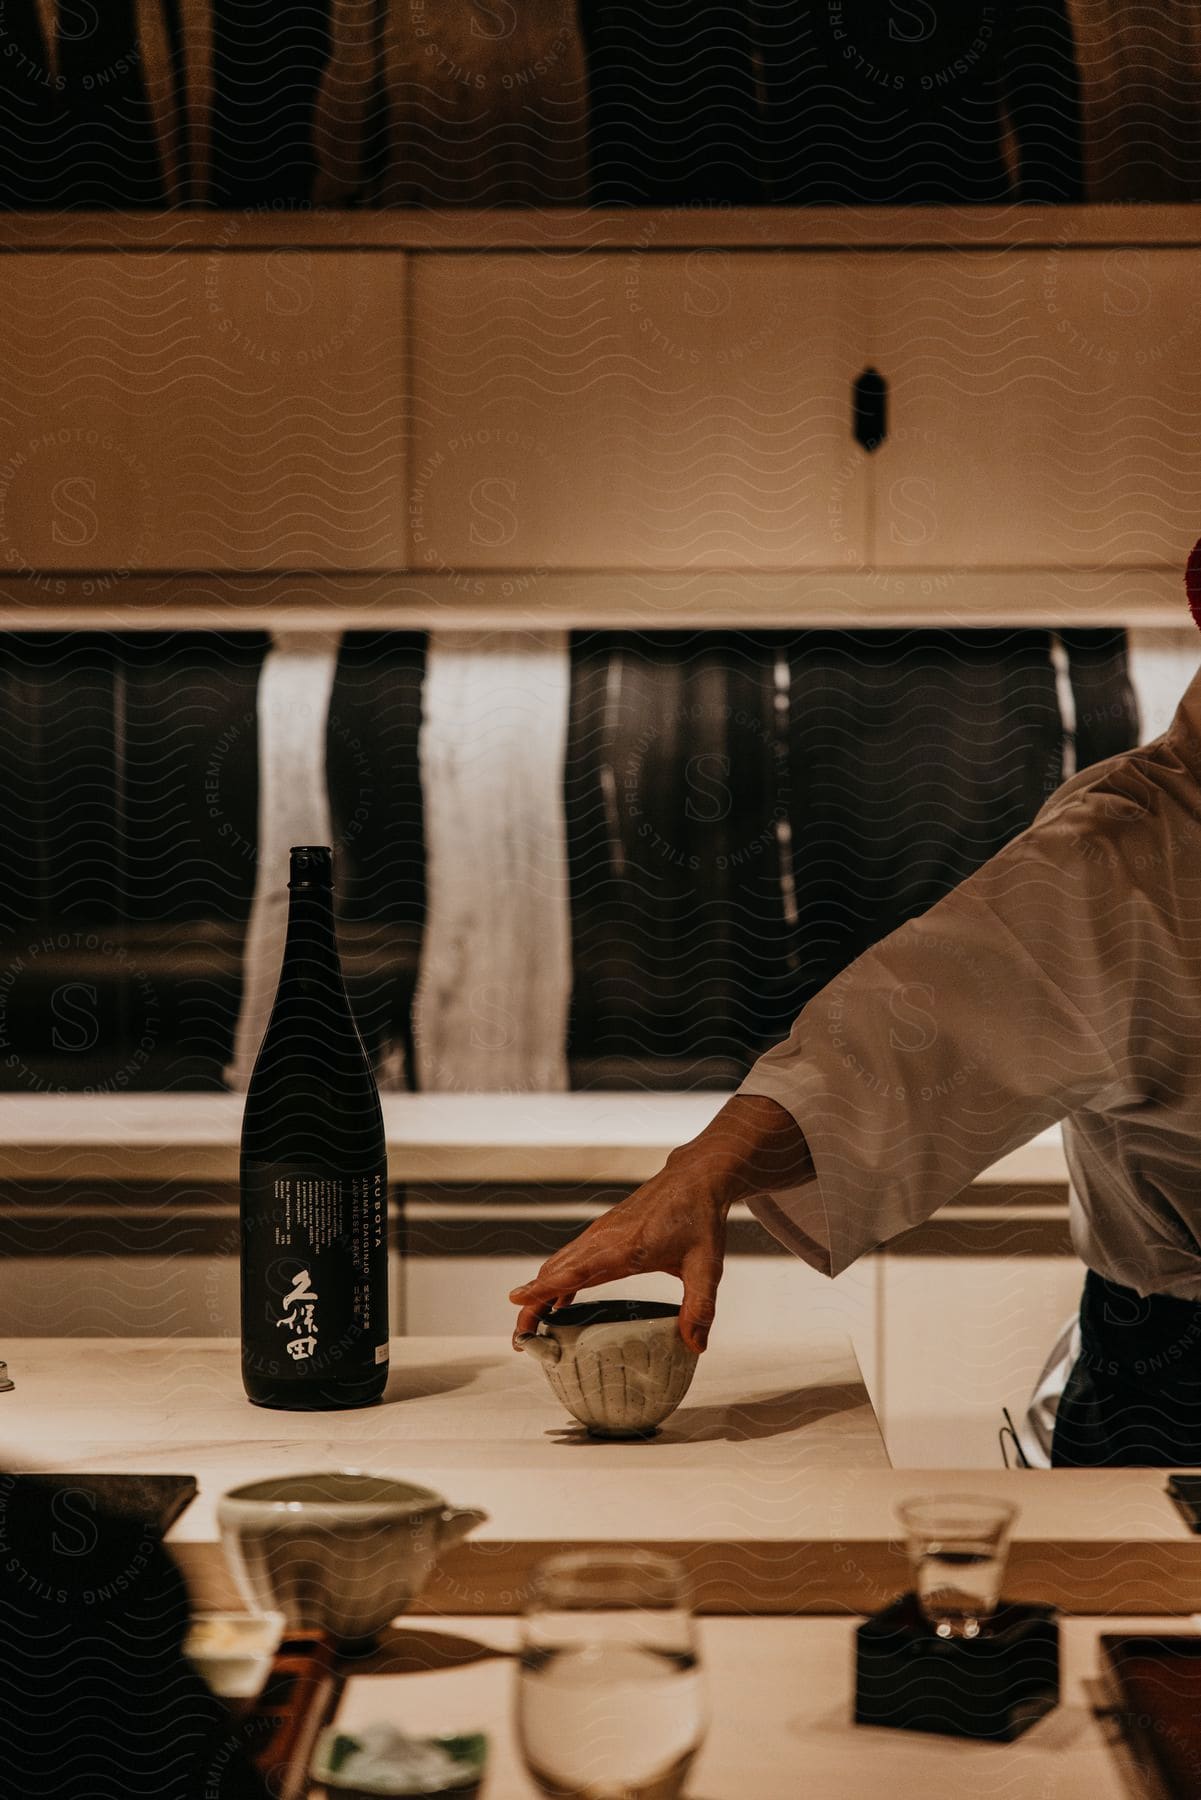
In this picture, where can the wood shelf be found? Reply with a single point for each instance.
(624, 600)
(566, 229)
(497, 1138)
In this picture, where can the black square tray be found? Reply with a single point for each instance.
(994, 1686)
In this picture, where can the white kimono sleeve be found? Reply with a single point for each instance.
(945, 1046)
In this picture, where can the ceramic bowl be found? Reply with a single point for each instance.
(619, 1366)
(340, 1552)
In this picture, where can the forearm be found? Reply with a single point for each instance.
(753, 1146)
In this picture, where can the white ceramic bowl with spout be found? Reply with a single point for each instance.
(339, 1551)
(619, 1366)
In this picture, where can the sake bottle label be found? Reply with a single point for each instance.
(313, 1274)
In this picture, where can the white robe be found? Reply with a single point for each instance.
(1062, 981)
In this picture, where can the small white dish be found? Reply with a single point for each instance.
(234, 1651)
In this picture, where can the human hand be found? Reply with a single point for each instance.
(672, 1225)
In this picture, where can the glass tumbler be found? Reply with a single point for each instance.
(958, 1544)
(610, 1698)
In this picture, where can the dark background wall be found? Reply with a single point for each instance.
(745, 814)
(244, 103)
(745, 811)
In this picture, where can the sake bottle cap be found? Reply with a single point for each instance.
(311, 865)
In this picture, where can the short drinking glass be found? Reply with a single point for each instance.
(610, 1703)
(957, 1550)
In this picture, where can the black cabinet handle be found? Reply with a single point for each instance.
(870, 409)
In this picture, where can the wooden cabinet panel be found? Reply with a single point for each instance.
(208, 410)
(153, 1280)
(1043, 408)
(964, 1336)
(637, 410)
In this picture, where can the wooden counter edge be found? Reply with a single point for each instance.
(801, 1576)
(193, 1138)
(1096, 224)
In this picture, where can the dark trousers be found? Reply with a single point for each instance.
(1133, 1397)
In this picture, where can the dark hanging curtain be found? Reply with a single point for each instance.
(129, 839)
(1103, 700)
(920, 104)
(676, 771)
(78, 130)
(747, 814)
(267, 61)
(128, 832)
(847, 102)
(377, 818)
(674, 114)
(28, 106)
(217, 106)
(105, 148)
(916, 755)
(248, 103)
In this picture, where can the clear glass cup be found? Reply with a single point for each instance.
(610, 1696)
(958, 1544)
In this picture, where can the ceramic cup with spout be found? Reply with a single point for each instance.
(619, 1366)
(340, 1552)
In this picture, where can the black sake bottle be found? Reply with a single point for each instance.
(314, 1180)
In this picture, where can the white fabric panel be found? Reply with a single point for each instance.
(1067, 704)
(1162, 663)
(293, 709)
(491, 1005)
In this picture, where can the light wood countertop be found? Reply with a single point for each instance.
(757, 1432)
(453, 1403)
(771, 1481)
(780, 1693)
(594, 1137)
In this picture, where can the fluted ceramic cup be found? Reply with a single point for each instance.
(619, 1366)
(341, 1551)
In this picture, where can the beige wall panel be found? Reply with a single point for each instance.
(965, 1336)
(185, 1292)
(211, 410)
(637, 410)
(1043, 409)
(1162, 663)
(123, 1295)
